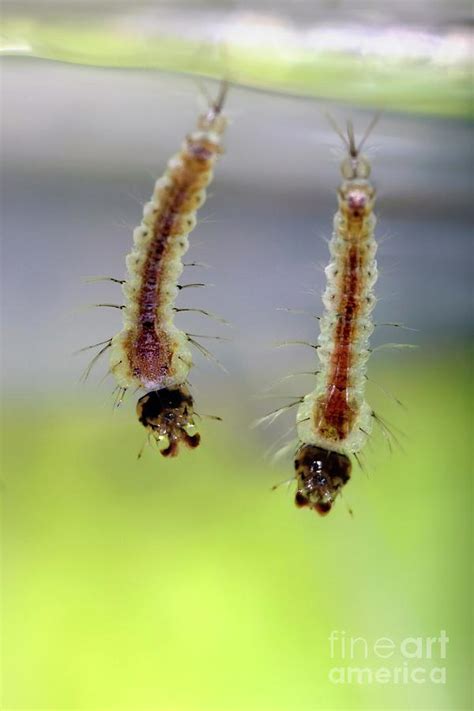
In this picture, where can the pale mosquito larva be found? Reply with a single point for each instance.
(151, 352)
(334, 420)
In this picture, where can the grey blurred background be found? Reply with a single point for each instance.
(435, 12)
(82, 147)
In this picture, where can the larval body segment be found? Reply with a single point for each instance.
(151, 352)
(154, 266)
(351, 276)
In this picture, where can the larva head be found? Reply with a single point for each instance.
(320, 476)
(168, 414)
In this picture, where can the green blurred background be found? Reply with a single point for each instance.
(188, 585)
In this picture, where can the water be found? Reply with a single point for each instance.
(83, 146)
(192, 587)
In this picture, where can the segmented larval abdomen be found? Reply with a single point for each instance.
(150, 351)
(335, 415)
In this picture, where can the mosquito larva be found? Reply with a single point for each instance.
(334, 420)
(150, 352)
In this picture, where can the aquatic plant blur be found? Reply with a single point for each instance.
(189, 585)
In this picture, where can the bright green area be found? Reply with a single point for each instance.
(392, 85)
(187, 585)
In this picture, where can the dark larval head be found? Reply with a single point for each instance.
(168, 415)
(320, 475)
